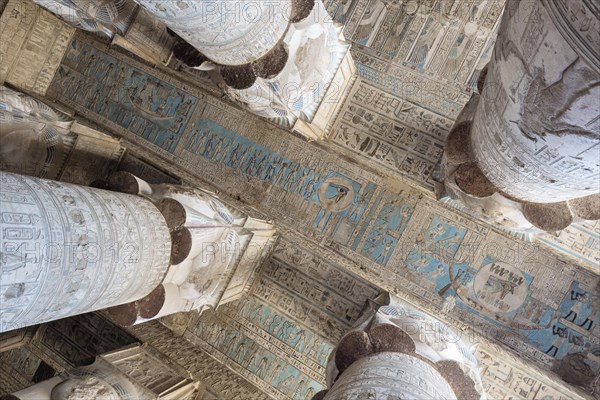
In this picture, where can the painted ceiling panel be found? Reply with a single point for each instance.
(358, 217)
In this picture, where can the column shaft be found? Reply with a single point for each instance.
(391, 376)
(69, 249)
(536, 131)
(228, 32)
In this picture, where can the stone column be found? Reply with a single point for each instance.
(292, 81)
(278, 58)
(391, 374)
(529, 151)
(215, 254)
(536, 131)
(226, 32)
(139, 372)
(69, 249)
(396, 352)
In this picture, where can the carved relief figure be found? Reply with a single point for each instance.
(562, 335)
(551, 108)
(582, 310)
(433, 31)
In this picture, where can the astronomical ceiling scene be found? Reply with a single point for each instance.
(299, 199)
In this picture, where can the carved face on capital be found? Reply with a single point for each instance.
(88, 387)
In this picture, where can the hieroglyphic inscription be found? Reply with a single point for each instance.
(199, 363)
(33, 43)
(580, 241)
(547, 308)
(153, 109)
(532, 136)
(504, 379)
(79, 339)
(447, 40)
(426, 52)
(314, 291)
(443, 99)
(235, 34)
(281, 357)
(389, 374)
(148, 368)
(79, 248)
(384, 229)
(393, 132)
(303, 304)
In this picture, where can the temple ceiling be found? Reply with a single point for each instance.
(357, 211)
